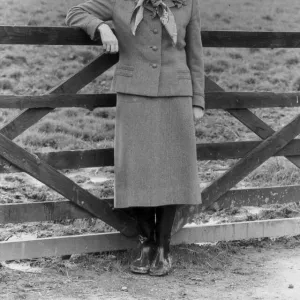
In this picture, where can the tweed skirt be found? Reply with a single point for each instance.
(155, 152)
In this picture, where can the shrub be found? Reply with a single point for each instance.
(71, 112)
(278, 78)
(292, 61)
(250, 80)
(84, 56)
(296, 84)
(16, 59)
(217, 66)
(260, 66)
(6, 84)
(235, 55)
(254, 50)
(103, 113)
(267, 18)
(241, 70)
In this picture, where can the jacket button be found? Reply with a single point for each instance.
(154, 66)
(154, 48)
(155, 31)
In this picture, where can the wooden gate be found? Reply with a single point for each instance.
(82, 204)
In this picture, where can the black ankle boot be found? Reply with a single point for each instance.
(146, 221)
(142, 263)
(162, 262)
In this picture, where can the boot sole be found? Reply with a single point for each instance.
(164, 273)
(158, 274)
(139, 270)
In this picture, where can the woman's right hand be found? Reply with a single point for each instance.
(109, 40)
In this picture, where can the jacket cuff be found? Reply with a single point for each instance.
(198, 100)
(92, 27)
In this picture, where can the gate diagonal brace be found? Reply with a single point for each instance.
(72, 191)
(46, 174)
(211, 194)
(250, 120)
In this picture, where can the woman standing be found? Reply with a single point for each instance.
(159, 81)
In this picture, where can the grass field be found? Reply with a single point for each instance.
(32, 70)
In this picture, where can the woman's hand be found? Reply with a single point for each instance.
(198, 112)
(109, 40)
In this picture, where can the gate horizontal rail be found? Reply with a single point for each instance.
(215, 100)
(100, 242)
(77, 159)
(31, 35)
(64, 209)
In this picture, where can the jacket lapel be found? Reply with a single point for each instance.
(170, 3)
(149, 7)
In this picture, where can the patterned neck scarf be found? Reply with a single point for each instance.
(164, 13)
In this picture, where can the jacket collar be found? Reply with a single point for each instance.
(169, 3)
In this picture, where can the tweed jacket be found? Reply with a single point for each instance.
(149, 65)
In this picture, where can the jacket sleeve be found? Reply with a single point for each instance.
(89, 15)
(194, 52)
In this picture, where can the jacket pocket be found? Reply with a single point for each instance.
(124, 70)
(183, 74)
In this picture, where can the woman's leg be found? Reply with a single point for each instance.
(162, 262)
(146, 222)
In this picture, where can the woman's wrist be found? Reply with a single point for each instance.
(102, 26)
(197, 106)
(198, 100)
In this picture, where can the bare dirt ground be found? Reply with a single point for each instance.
(238, 270)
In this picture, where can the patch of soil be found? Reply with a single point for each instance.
(22, 188)
(257, 269)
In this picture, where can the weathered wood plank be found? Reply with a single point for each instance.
(238, 231)
(76, 159)
(79, 159)
(56, 246)
(214, 100)
(250, 39)
(47, 247)
(66, 187)
(72, 85)
(61, 210)
(74, 36)
(237, 100)
(237, 198)
(257, 197)
(89, 101)
(32, 35)
(42, 211)
(251, 161)
(236, 150)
